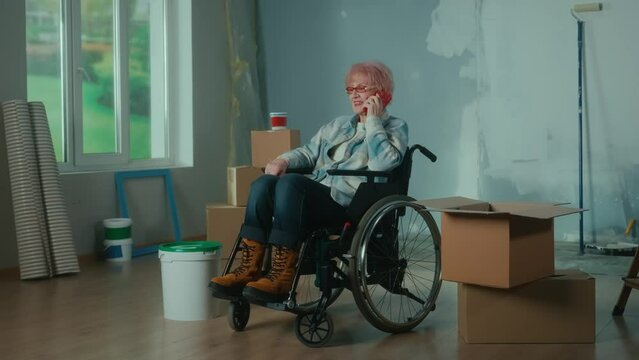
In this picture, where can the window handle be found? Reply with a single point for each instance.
(85, 74)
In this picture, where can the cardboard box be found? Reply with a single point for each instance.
(223, 223)
(496, 244)
(267, 145)
(556, 309)
(239, 179)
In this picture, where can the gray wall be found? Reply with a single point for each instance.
(489, 85)
(309, 45)
(91, 197)
(13, 85)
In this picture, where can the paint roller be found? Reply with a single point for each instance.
(581, 8)
(578, 8)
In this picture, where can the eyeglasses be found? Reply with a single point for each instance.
(360, 89)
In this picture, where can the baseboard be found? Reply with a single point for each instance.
(13, 273)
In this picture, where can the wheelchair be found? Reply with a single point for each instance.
(387, 255)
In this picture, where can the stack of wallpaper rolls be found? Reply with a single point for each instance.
(43, 232)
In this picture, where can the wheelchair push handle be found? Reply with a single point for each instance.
(424, 151)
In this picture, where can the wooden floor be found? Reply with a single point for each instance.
(115, 312)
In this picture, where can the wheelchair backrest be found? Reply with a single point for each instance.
(370, 192)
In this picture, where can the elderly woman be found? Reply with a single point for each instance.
(283, 208)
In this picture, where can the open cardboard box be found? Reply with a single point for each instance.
(555, 309)
(498, 245)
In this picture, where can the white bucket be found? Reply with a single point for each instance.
(186, 274)
(117, 228)
(118, 250)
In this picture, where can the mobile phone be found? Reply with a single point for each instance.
(384, 96)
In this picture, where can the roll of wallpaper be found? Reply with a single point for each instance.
(43, 233)
(58, 226)
(28, 211)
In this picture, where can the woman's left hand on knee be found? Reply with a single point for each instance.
(276, 167)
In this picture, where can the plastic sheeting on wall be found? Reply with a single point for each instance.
(246, 107)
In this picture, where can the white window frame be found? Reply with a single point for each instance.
(176, 74)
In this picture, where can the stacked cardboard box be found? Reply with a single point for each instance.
(223, 221)
(223, 224)
(502, 256)
(555, 309)
(267, 145)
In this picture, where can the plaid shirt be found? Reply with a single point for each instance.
(380, 148)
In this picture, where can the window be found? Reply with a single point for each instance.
(101, 69)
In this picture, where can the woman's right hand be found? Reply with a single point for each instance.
(276, 167)
(374, 105)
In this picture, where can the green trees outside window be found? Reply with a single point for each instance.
(51, 78)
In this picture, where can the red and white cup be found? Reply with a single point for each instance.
(278, 120)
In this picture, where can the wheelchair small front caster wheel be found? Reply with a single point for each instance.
(312, 331)
(238, 314)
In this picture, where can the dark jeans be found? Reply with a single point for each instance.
(283, 210)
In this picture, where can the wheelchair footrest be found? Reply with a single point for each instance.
(256, 296)
(224, 292)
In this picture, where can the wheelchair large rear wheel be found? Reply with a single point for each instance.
(395, 265)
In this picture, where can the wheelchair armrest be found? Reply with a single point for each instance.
(303, 171)
(370, 175)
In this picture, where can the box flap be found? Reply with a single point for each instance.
(219, 206)
(545, 212)
(454, 203)
(518, 205)
(570, 274)
(458, 204)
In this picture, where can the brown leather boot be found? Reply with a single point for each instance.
(231, 284)
(275, 285)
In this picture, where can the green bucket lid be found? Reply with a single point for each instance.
(191, 246)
